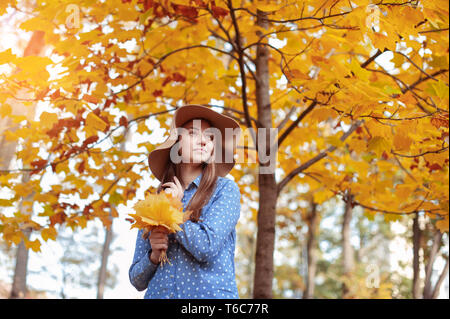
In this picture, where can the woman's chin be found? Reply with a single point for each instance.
(200, 159)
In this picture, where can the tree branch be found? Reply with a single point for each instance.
(429, 267)
(421, 154)
(241, 70)
(441, 279)
(294, 124)
(321, 155)
(297, 19)
(286, 118)
(165, 56)
(83, 150)
(417, 67)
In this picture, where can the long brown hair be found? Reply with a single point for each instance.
(205, 188)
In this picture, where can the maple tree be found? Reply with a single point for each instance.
(312, 70)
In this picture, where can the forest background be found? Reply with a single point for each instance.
(356, 92)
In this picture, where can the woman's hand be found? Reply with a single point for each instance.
(159, 241)
(175, 189)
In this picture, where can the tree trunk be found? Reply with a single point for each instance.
(441, 279)
(265, 240)
(417, 234)
(311, 251)
(19, 286)
(427, 290)
(102, 274)
(347, 249)
(250, 265)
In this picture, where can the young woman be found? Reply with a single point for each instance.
(191, 165)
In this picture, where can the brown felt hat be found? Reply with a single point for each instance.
(160, 156)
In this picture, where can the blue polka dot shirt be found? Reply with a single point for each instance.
(201, 256)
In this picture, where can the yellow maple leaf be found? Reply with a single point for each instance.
(49, 233)
(94, 124)
(322, 196)
(48, 119)
(442, 224)
(378, 144)
(35, 245)
(6, 56)
(402, 142)
(392, 217)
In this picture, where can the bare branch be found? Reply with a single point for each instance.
(286, 118)
(417, 67)
(435, 30)
(429, 267)
(420, 80)
(294, 124)
(441, 279)
(422, 154)
(239, 51)
(297, 19)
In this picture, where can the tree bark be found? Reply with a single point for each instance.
(265, 240)
(437, 287)
(102, 274)
(19, 286)
(103, 271)
(311, 248)
(427, 293)
(417, 234)
(347, 249)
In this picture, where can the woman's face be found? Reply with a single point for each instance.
(196, 144)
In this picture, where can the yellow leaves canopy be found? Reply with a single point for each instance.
(134, 65)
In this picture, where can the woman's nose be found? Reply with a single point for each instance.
(202, 140)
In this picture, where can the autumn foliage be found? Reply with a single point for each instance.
(358, 91)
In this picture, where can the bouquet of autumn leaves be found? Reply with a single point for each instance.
(159, 210)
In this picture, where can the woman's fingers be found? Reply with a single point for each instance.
(160, 230)
(160, 246)
(159, 239)
(171, 188)
(158, 235)
(170, 184)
